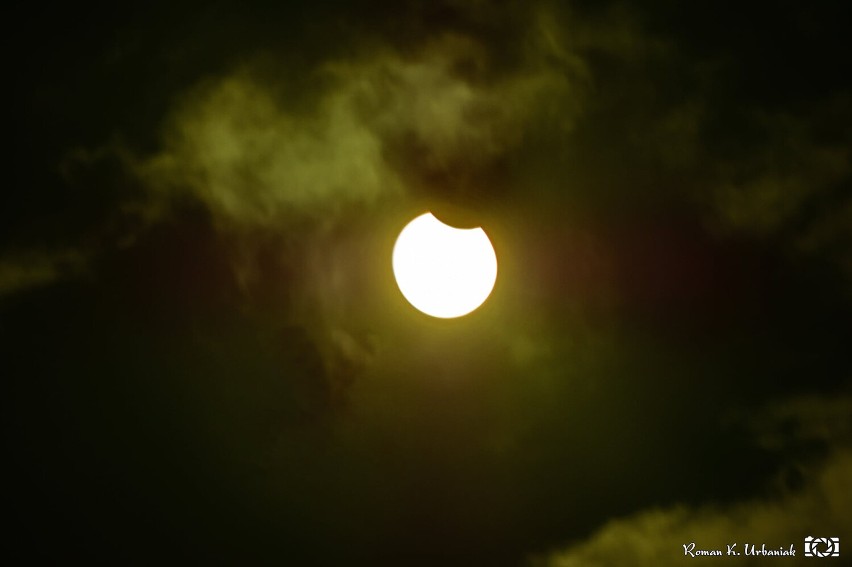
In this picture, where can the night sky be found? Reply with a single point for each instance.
(205, 357)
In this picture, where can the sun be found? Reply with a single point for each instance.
(443, 271)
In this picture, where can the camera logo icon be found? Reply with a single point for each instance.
(822, 546)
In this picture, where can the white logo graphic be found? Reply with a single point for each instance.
(822, 546)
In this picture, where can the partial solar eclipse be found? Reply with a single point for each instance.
(443, 271)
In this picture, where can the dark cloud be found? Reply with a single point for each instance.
(657, 536)
(205, 344)
(37, 268)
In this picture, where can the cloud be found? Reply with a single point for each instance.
(35, 268)
(769, 189)
(238, 145)
(292, 169)
(811, 419)
(250, 162)
(821, 508)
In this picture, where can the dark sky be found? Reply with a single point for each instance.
(205, 356)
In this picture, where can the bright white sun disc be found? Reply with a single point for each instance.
(444, 271)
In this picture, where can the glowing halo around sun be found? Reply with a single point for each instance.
(443, 271)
